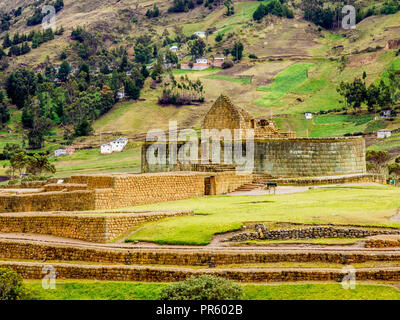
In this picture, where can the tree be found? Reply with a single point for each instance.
(237, 50)
(7, 41)
(171, 57)
(83, 128)
(18, 161)
(37, 164)
(4, 112)
(355, 93)
(142, 53)
(20, 86)
(12, 285)
(197, 48)
(64, 71)
(131, 89)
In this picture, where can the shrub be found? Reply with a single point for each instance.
(11, 285)
(205, 287)
(227, 64)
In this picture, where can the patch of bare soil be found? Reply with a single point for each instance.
(236, 69)
(358, 61)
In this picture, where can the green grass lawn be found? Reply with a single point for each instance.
(286, 80)
(91, 161)
(218, 214)
(107, 290)
(387, 143)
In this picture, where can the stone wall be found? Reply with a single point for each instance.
(23, 250)
(297, 157)
(48, 201)
(89, 227)
(120, 190)
(309, 233)
(310, 157)
(33, 270)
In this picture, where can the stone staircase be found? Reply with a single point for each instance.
(250, 187)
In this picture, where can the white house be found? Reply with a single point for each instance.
(114, 146)
(382, 134)
(200, 34)
(308, 115)
(386, 114)
(60, 152)
(173, 49)
(121, 94)
(128, 73)
(202, 60)
(106, 148)
(119, 144)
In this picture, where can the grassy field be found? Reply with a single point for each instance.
(218, 214)
(104, 290)
(284, 82)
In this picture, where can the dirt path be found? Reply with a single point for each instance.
(51, 240)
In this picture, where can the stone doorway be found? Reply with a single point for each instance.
(209, 186)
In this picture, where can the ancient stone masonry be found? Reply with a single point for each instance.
(99, 227)
(93, 192)
(33, 270)
(225, 115)
(23, 250)
(309, 233)
(277, 154)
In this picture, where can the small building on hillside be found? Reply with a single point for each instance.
(382, 134)
(202, 60)
(114, 146)
(121, 94)
(119, 144)
(217, 62)
(308, 115)
(385, 114)
(106, 148)
(70, 150)
(173, 49)
(60, 152)
(200, 34)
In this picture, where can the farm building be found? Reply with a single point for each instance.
(385, 114)
(381, 134)
(308, 115)
(114, 146)
(106, 148)
(70, 150)
(218, 62)
(60, 152)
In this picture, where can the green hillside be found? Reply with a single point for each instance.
(294, 67)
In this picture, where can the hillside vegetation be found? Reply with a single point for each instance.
(288, 66)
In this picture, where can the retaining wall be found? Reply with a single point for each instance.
(21, 250)
(88, 227)
(33, 270)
